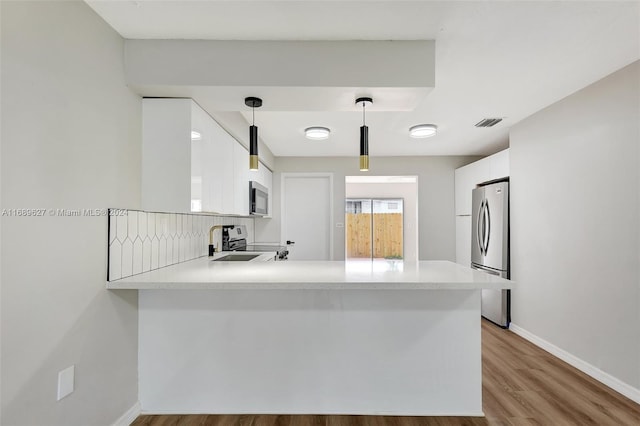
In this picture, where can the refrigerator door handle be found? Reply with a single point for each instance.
(487, 224)
(479, 227)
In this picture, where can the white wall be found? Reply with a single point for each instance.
(435, 195)
(575, 228)
(408, 192)
(70, 139)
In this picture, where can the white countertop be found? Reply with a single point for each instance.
(203, 273)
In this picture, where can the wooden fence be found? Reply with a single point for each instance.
(387, 235)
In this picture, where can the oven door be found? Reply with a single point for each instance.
(258, 199)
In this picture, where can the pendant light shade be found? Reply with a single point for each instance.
(253, 132)
(364, 135)
(364, 148)
(253, 147)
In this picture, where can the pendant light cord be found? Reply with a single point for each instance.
(253, 116)
(363, 118)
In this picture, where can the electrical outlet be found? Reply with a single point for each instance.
(65, 381)
(339, 225)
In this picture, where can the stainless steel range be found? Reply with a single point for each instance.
(234, 238)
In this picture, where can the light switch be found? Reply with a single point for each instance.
(339, 225)
(65, 382)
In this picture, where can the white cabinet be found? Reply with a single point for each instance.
(218, 163)
(268, 182)
(463, 240)
(241, 180)
(466, 179)
(205, 189)
(264, 177)
(207, 170)
(166, 155)
(499, 164)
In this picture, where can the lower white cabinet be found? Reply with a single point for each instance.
(463, 240)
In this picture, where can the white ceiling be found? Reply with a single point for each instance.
(493, 59)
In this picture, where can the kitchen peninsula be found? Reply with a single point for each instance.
(381, 337)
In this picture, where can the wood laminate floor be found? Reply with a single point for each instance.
(521, 385)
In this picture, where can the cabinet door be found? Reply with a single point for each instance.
(166, 155)
(268, 182)
(257, 175)
(500, 164)
(463, 193)
(205, 188)
(468, 177)
(224, 171)
(463, 240)
(241, 179)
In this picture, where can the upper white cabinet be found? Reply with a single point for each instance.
(205, 189)
(166, 155)
(190, 163)
(264, 177)
(468, 177)
(241, 179)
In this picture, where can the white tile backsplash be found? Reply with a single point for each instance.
(121, 227)
(137, 256)
(142, 224)
(127, 258)
(115, 261)
(162, 252)
(132, 223)
(142, 241)
(146, 255)
(112, 225)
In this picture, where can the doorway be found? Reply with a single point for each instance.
(374, 228)
(385, 189)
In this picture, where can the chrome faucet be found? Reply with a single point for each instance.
(212, 248)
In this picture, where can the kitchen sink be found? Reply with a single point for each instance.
(236, 257)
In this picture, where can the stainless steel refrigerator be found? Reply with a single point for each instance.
(490, 246)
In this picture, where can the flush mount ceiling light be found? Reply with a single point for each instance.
(317, 133)
(253, 132)
(423, 130)
(195, 135)
(364, 135)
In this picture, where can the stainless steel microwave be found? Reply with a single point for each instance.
(258, 199)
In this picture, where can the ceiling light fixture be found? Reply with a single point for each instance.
(195, 135)
(317, 133)
(253, 132)
(364, 135)
(423, 130)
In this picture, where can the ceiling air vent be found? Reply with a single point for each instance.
(488, 122)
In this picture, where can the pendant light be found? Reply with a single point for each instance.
(364, 135)
(253, 132)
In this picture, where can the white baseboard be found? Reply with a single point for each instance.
(320, 413)
(604, 378)
(131, 414)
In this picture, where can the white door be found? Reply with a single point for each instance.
(307, 209)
